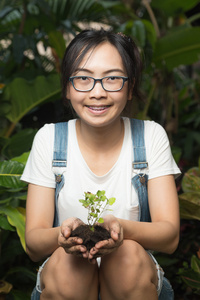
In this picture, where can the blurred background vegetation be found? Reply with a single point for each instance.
(33, 38)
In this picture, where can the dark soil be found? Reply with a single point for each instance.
(89, 237)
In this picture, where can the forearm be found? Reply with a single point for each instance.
(41, 243)
(159, 236)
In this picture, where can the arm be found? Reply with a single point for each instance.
(41, 238)
(162, 234)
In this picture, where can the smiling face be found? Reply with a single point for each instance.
(98, 107)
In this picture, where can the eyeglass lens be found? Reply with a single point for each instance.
(84, 83)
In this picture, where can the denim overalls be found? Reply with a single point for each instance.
(139, 182)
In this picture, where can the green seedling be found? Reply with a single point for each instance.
(96, 205)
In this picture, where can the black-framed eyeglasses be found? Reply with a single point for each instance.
(108, 83)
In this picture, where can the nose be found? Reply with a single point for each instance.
(98, 90)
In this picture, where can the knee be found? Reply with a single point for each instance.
(129, 257)
(132, 271)
(66, 276)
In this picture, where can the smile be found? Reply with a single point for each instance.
(98, 108)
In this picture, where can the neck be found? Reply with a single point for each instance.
(100, 138)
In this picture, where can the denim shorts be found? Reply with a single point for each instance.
(160, 274)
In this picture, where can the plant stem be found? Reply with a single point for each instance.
(22, 24)
(10, 130)
(150, 96)
(152, 16)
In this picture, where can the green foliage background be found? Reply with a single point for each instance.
(33, 38)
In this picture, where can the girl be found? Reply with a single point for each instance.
(100, 75)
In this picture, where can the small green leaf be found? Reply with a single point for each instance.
(92, 197)
(103, 198)
(93, 215)
(111, 201)
(92, 228)
(100, 193)
(82, 201)
(101, 220)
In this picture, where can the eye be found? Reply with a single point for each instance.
(83, 78)
(112, 78)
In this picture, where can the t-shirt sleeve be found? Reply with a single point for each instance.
(38, 169)
(158, 151)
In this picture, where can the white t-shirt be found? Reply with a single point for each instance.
(79, 178)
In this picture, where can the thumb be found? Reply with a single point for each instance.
(66, 231)
(114, 235)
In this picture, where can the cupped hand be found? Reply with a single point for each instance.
(105, 247)
(71, 245)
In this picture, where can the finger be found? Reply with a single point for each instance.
(70, 242)
(114, 235)
(66, 231)
(93, 251)
(76, 250)
(92, 261)
(101, 244)
(85, 254)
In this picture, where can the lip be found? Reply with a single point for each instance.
(98, 109)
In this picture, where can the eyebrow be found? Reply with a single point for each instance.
(106, 72)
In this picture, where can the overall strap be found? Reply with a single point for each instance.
(59, 161)
(139, 181)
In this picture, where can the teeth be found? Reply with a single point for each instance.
(98, 108)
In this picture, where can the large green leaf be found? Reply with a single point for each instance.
(23, 270)
(195, 264)
(22, 158)
(10, 173)
(16, 218)
(4, 224)
(72, 11)
(191, 278)
(190, 205)
(172, 7)
(180, 47)
(25, 95)
(19, 143)
(57, 41)
(191, 180)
